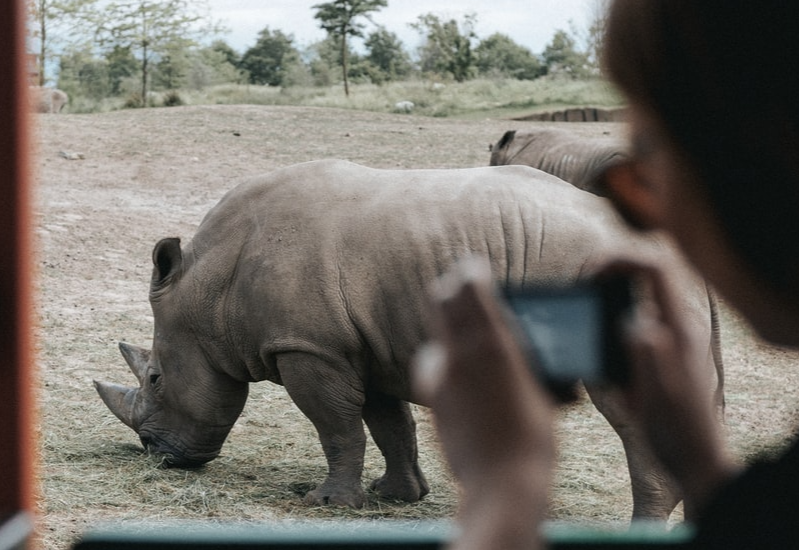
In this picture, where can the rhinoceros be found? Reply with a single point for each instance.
(315, 277)
(567, 155)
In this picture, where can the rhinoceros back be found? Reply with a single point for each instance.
(336, 258)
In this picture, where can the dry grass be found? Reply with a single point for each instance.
(148, 174)
(473, 98)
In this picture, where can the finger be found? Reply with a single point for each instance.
(656, 283)
(460, 294)
(469, 319)
(482, 353)
(428, 371)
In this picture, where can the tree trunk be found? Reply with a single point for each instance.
(344, 62)
(144, 76)
(42, 43)
(144, 44)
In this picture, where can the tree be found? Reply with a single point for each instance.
(386, 54)
(448, 45)
(121, 65)
(270, 58)
(339, 20)
(171, 68)
(223, 48)
(500, 54)
(561, 56)
(153, 28)
(215, 64)
(59, 25)
(323, 60)
(596, 31)
(82, 74)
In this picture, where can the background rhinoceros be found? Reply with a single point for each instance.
(315, 277)
(566, 154)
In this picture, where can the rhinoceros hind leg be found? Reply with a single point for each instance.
(332, 402)
(393, 428)
(655, 493)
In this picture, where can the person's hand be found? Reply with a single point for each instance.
(667, 394)
(494, 420)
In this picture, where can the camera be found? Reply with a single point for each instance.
(574, 333)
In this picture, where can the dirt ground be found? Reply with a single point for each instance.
(111, 185)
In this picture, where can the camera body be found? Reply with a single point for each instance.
(574, 333)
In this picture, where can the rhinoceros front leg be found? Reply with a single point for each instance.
(332, 401)
(655, 493)
(393, 428)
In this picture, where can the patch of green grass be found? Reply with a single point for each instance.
(478, 98)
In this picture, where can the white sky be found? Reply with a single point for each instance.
(530, 23)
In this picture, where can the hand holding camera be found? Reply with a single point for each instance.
(574, 333)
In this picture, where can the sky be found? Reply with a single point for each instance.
(531, 23)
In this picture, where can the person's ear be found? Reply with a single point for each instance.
(634, 197)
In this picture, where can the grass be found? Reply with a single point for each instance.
(473, 99)
(152, 173)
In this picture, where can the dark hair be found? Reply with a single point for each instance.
(723, 77)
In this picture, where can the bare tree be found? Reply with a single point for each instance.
(338, 18)
(448, 45)
(596, 30)
(153, 28)
(57, 24)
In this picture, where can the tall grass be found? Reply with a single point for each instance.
(471, 99)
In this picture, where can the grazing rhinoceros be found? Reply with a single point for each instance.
(315, 277)
(569, 156)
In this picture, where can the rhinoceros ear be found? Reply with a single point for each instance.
(167, 262)
(498, 148)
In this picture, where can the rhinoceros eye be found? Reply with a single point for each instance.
(154, 378)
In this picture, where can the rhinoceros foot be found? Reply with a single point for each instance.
(410, 487)
(336, 495)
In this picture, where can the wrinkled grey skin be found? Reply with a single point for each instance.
(315, 277)
(571, 157)
(579, 160)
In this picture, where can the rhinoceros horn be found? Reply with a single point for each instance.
(120, 399)
(137, 359)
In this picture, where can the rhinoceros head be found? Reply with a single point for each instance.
(184, 406)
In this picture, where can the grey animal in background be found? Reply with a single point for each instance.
(316, 277)
(48, 100)
(578, 114)
(404, 106)
(579, 160)
(567, 155)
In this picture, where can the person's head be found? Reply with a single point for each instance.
(714, 83)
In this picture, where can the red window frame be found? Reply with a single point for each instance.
(18, 456)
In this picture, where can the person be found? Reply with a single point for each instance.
(714, 130)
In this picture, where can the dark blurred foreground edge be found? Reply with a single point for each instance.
(422, 535)
(17, 444)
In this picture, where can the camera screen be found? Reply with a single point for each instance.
(564, 332)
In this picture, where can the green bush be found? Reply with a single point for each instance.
(133, 101)
(172, 98)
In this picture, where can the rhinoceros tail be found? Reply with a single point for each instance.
(715, 343)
